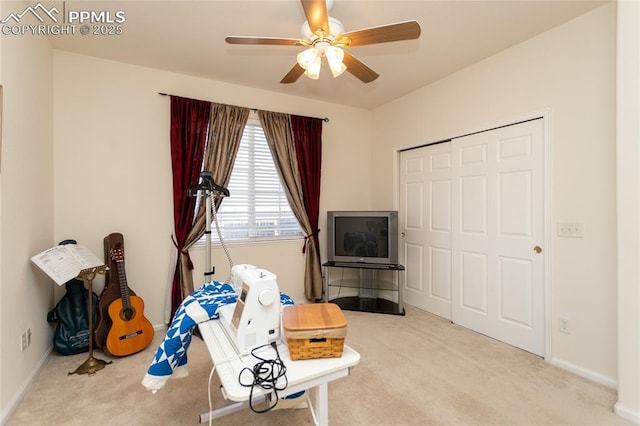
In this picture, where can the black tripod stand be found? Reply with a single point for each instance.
(209, 189)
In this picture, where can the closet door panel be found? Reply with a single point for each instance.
(425, 221)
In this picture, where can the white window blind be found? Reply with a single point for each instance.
(257, 206)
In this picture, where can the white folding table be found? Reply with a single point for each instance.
(309, 374)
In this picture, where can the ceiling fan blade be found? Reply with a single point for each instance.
(393, 32)
(293, 75)
(358, 69)
(264, 40)
(317, 16)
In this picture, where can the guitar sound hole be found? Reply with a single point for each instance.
(127, 314)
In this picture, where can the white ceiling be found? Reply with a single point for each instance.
(187, 37)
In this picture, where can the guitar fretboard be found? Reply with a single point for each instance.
(124, 288)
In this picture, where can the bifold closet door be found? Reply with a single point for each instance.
(497, 234)
(425, 220)
(471, 211)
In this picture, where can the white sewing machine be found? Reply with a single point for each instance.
(255, 319)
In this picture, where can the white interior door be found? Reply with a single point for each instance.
(497, 234)
(425, 219)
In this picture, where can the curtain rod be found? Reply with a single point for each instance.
(325, 119)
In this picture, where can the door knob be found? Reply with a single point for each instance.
(537, 249)
(402, 234)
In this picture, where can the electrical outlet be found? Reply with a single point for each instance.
(564, 325)
(23, 341)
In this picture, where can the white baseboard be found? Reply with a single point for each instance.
(626, 413)
(15, 401)
(618, 409)
(587, 374)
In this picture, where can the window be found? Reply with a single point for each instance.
(257, 206)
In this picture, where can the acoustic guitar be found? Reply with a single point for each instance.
(111, 290)
(130, 331)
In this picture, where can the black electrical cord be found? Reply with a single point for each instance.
(265, 374)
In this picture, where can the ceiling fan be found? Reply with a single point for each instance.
(324, 38)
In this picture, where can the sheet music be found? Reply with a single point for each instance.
(63, 263)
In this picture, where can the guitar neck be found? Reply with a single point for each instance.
(124, 288)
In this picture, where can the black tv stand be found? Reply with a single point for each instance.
(369, 282)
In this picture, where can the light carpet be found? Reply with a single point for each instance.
(417, 369)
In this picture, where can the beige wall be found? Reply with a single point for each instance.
(568, 72)
(113, 169)
(26, 192)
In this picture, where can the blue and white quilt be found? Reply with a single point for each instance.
(202, 305)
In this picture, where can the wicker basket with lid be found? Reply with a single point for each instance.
(315, 330)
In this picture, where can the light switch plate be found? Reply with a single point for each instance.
(570, 229)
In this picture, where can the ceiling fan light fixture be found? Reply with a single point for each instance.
(313, 72)
(334, 56)
(307, 57)
(311, 60)
(337, 68)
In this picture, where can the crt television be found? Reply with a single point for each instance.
(362, 237)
